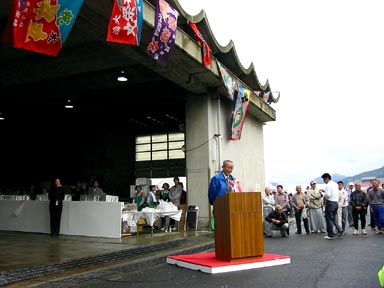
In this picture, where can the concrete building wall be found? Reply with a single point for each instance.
(206, 119)
(198, 137)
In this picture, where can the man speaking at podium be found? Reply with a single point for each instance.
(235, 214)
(223, 182)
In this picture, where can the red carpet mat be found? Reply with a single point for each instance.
(207, 262)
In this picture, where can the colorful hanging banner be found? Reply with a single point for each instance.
(258, 93)
(205, 47)
(239, 113)
(126, 22)
(229, 83)
(164, 32)
(266, 96)
(41, 25)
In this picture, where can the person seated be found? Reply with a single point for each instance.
(44, 191)
(32, 192)
(95, 190)
(164, 194)
(77, 191)
(151, 201)
(276, 220)
(43, 195)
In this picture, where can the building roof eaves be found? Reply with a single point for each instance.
(227, 54)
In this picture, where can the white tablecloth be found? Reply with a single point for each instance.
(132, 217)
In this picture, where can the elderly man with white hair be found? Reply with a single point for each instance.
(268, 201)
(316, 218)
(359, 202)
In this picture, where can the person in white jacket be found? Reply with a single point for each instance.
(342, 211)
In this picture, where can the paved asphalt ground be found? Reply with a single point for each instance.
(352, 261)
(349, 262)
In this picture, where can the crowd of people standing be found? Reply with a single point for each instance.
(328, 210)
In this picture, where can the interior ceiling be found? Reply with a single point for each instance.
(37, 85)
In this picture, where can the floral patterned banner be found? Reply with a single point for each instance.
(239, 113)
(229, 83)
(164, 32)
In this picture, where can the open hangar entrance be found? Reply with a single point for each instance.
(181, 93)
(41, 139)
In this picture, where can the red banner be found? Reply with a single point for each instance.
(205, 46)
(41, 25)
(126, 22)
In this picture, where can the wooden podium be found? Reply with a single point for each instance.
(238, 226)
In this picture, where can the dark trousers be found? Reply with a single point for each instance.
(286, 215)
(298, 214)
(356, 214)
(350, 216)
(330, 217)
(55, 217)
(372, 219)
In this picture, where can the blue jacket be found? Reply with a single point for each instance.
(218, 186)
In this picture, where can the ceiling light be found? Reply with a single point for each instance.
(69, 104)
(2, 116)
(122, 77)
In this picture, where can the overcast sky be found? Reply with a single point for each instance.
(326, 58)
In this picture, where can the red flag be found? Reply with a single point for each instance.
(206, 48)
(18, 21)
(41, 25)
(126, 22)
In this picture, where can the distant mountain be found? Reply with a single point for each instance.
(377, 173)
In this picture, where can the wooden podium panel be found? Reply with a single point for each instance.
(238, 226)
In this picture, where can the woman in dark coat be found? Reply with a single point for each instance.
(56, 196)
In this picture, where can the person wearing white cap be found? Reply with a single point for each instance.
(350, 189)
(316, 218)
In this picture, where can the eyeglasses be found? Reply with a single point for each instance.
(313, 183)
